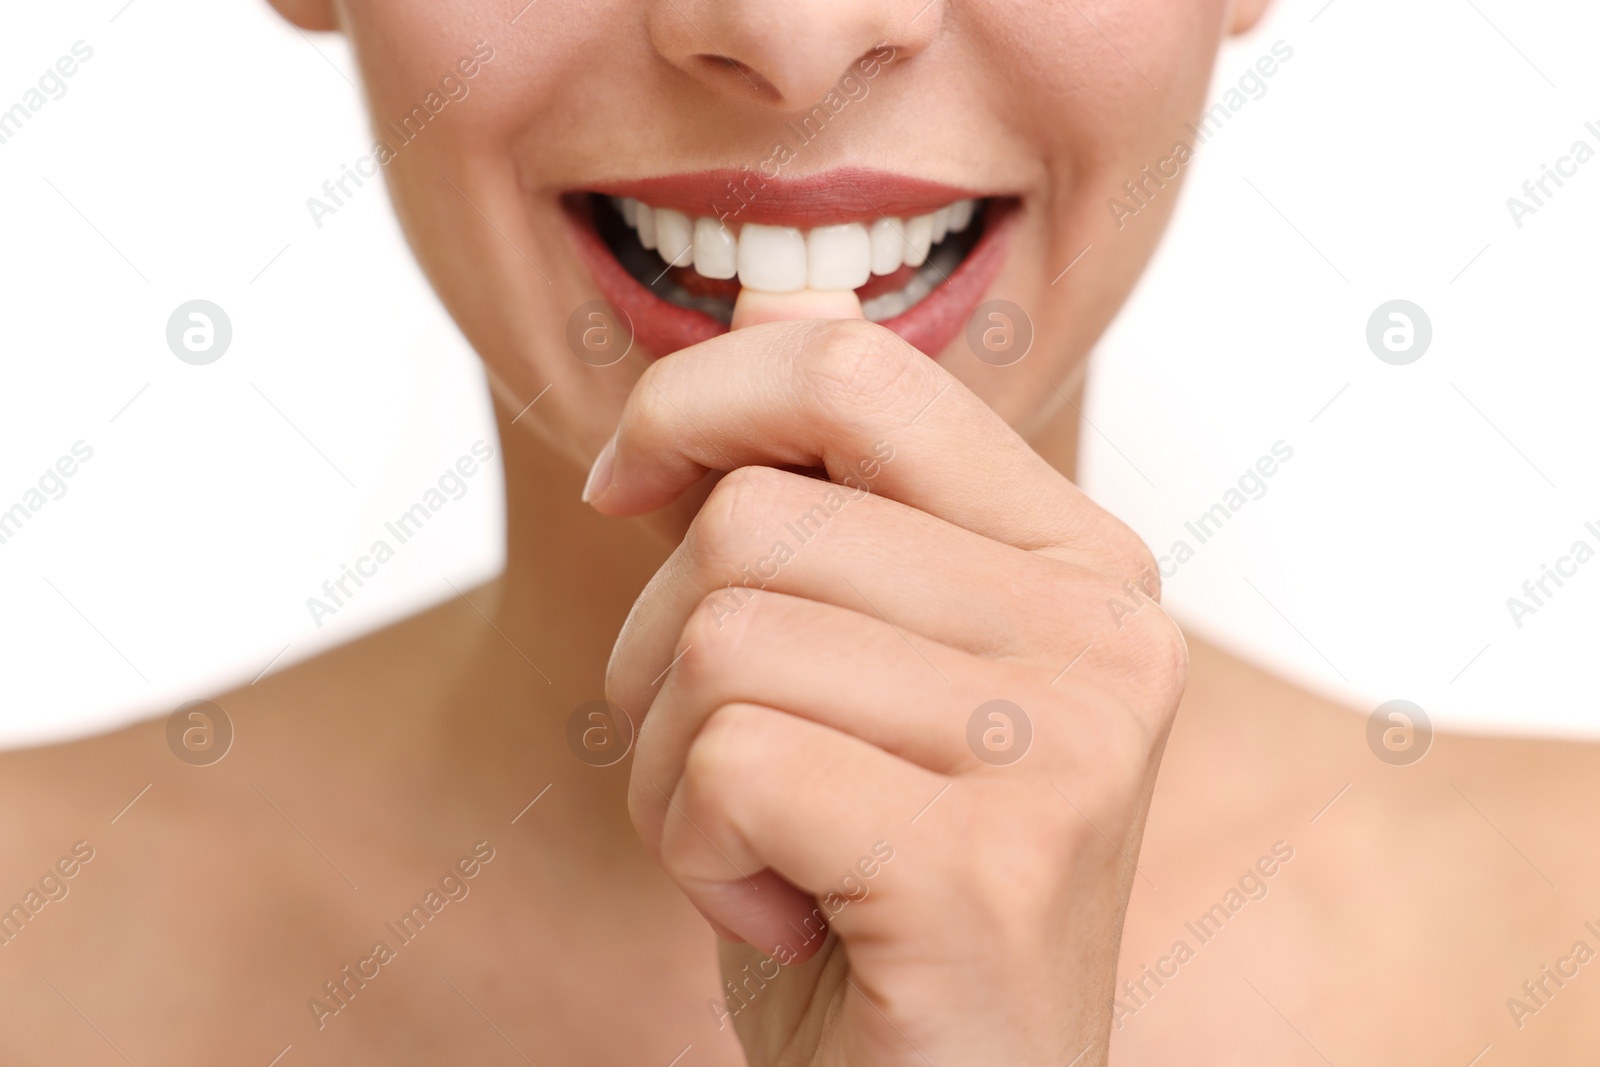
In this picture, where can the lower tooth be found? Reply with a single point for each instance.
(884, 307)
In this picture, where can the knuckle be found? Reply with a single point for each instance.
(710, 642)
(716, 772)
(727, 528)
(1144, 639)
(1148, 570)
(1157, 652)
(647, 402)
(860, 370)
(1135, 561)
(725, 749)
(1137, 684)
(677, 853)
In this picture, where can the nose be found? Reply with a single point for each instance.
(787, 54)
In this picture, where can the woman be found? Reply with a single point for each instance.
(803, 635)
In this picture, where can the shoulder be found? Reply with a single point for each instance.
(184, 763)
(1457, 870)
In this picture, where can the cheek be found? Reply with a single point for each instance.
(1112, 86)
(456, 189)
(409, 48)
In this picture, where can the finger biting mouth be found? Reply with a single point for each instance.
(674, 258)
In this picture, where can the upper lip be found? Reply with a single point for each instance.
(844, 194)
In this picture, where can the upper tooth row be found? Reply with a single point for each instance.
(782, 259)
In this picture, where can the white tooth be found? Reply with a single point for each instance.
(886, 247)
(917, 288)
(630, 210)
(772, 259)
(674, 234)
(883, 307)
(839, 257)
(645, 223)
(961, 215)
(716, 251)
(941, 225)
(918, 237)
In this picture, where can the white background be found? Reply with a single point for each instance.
(1377, 166)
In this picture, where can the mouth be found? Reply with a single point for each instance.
(673, 253)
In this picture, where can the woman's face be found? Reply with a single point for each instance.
(504, 126)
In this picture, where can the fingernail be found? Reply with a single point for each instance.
(600, 474)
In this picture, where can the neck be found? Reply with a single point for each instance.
(571, 576)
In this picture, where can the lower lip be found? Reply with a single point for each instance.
(661, 327)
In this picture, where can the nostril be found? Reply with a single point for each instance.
(720, 68)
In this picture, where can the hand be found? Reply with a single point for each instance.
(815, 755)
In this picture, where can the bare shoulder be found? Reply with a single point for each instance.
(151, 873)
(1310, 869)
(87, 785)
(187, 773)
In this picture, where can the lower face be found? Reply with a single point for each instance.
(601, 151)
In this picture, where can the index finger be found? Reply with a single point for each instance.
(852, 398)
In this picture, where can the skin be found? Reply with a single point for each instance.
(780, 742)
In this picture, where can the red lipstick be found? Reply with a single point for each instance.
(846, 194)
